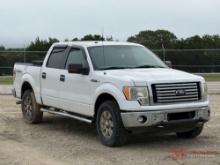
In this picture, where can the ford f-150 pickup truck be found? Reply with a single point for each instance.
(120, 87)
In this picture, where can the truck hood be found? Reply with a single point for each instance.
(153, 75)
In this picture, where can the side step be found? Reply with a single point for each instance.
(18, 102)
(64, 113)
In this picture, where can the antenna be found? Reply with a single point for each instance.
(103, 48)
(103, 31)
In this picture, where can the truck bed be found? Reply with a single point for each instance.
(29, 72)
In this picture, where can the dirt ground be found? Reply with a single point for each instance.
(61, 141)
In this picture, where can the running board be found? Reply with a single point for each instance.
(64, 113)
(18, 102)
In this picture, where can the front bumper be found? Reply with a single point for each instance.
(160, 118)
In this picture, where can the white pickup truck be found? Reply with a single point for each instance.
(121, 87)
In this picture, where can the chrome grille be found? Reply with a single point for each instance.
(176, 92)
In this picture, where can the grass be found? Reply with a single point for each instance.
(6, 80)
(211, 77)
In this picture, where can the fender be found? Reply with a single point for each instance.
(109, 89)
(28, 78)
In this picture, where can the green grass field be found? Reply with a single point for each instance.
(209, 77)
(6, 80)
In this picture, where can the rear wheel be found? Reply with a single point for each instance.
(192, 133)
(30, 109)
(109, 125)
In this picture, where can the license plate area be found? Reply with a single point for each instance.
(180, 116)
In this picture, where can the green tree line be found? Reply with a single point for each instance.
(163, 38)
(152, 39)
(189, 54)
(164, 43)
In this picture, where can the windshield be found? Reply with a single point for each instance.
(123, 57)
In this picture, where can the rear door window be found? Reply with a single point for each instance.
(57, 58)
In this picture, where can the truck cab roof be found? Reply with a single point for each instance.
(94, 43)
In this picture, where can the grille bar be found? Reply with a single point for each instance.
(174, 97)
(171, 91)
(174, 85)
(179, 100)
(179, 87)
(173, 94)
(176, 92)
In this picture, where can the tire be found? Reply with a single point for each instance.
(109, 117)
(191, 134)
(30, 109)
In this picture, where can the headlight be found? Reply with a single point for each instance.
(139, 94)
(205, 90)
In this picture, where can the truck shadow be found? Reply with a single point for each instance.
(68, 125)
(74, 128)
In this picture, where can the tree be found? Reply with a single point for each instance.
(75, 39)
(41, 45)
(155, 39)
(194, 42)
(2, 47)
(91, 37)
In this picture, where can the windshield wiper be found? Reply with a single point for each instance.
(149, 66)
(127, 67)
(114, 67)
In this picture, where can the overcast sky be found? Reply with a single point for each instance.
(23, 20)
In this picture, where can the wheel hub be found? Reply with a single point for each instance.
(28, 107)
(106, 124)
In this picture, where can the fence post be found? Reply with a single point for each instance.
(24, 54)
(164, 53)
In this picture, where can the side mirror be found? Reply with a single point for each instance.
(168, 63)
(78, 68)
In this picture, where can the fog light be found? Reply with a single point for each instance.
(142, 119)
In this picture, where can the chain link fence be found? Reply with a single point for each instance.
(8, 58)
(190, 60)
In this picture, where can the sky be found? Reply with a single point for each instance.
(21, 21)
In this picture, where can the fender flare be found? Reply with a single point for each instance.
(110, 89)
(29, 79)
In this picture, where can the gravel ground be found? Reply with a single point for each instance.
(61, 141)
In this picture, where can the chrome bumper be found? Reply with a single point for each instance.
(156, 118)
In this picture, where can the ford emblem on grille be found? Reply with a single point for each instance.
(180, 92)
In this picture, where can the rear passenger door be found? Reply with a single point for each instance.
(50, 78)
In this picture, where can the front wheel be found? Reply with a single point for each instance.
(109, 125)
(30, 108)
(192, 133)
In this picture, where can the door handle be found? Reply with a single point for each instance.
(62, 78)
(44, 75)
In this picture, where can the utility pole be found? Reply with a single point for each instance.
(24, 54)
(164, 51)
